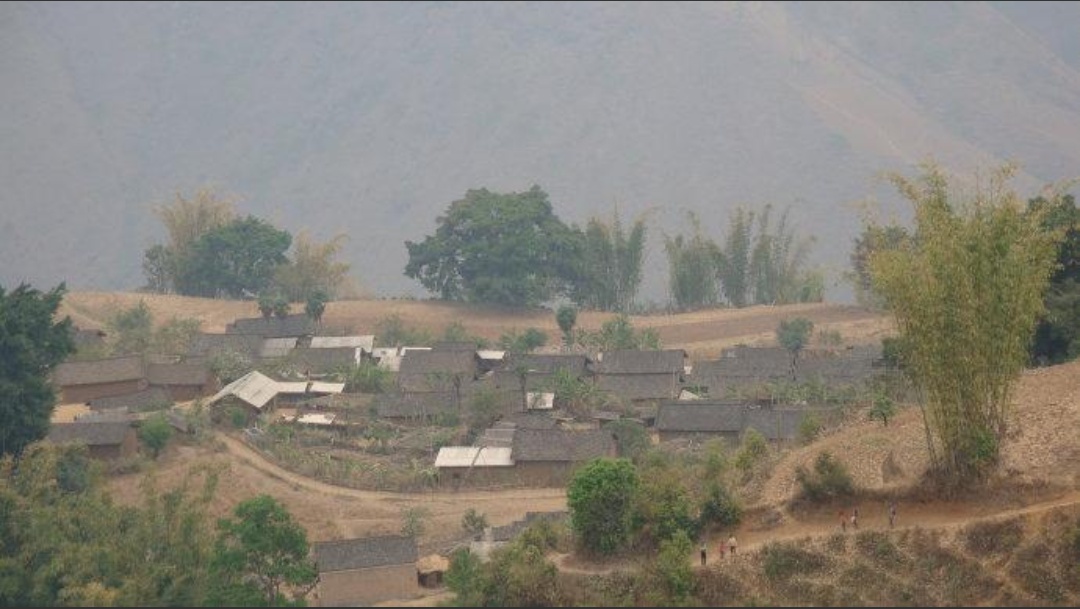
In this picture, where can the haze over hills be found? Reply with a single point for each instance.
(370, 118)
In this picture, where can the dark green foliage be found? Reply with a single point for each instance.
(236, 260)
(600, 497)
(720, 507)
(1057, 335)
(671, 573)
(526, 342)
(664, 508)
(873, 239)
(830, 479)
(368, 377)
(131, 330)
(316, 305)
(566, 317)
(474, 522)
(508, 249)
(31, 345)
(794, 335)
(631, 438)
(260, 552)
(619, 333)
(883, 408)
(693, 263)
(610, 267)
(155, 433)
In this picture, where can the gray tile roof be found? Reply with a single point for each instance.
(633, 361)
(435, 370)
(111, 370)
(562, 445)
(416, 405)
(724, 416)
(95, 433)
(663, 386)
(214, 344)
(539, 370)
(325, 359)
(273, 327)
(364, 553)
(183, 373)
(151, 396)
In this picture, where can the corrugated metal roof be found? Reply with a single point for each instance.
(253, 388)
(474, 456)
(367, 342)
(277, 347)
(491, 354)
(324, 387)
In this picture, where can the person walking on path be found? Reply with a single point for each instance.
(855, 518)
(732, 545)
(843, 521)
(703, 559)
(892, 513)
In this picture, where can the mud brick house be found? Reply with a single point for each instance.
(365, 571)
(81, 381)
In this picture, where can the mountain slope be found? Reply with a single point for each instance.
(370, 118)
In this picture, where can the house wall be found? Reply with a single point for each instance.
(698, 436)
(451, 478)
(184, 393)
(80, 394)
(544, 473)
(108, 452)
(367, 586)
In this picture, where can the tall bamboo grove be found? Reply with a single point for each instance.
(966, 294)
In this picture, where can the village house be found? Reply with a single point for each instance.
(548, 457)
(641, 375)
(105, 440)
(702, 420)
(82, 381)
(356, 572)
(182, 381)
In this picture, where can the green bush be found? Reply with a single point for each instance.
(829, 480)
(720, 508)
(784, 560)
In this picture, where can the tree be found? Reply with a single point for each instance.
(266, 304)
(566, 317)
(600, 497)
(693, 262)
(966, 295)
(610, 265)
(882, 408)
(132, 329)
(793, 335)
(473, 522)
(1057, 334)
(258, 551)
(155, 433)
(281, 307)
(873, 239)
(316, 305)
(735, 268)
(619, 333)
(186, 221)
(236, 260)
(526, 342)
(31, 346)
(509, 249)
(312, 269)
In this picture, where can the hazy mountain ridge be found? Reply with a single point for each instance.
(370, 118)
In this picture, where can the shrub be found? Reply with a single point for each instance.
(720, 508)
(809, 428)
(990, 537)
(473, 522)
(784, 560)
(830, 479)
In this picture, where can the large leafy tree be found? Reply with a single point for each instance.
(601, 499)
(693, 262)
(508, 249)
(32, 343)
(1057, 335)
(238, 260)
(966, 293)
(186, 220)
(258, 552)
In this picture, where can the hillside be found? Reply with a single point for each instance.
(991, 545)
(702, 334)
(370, 118)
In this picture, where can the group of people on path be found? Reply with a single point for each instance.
(732, 545)
(854, 518)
